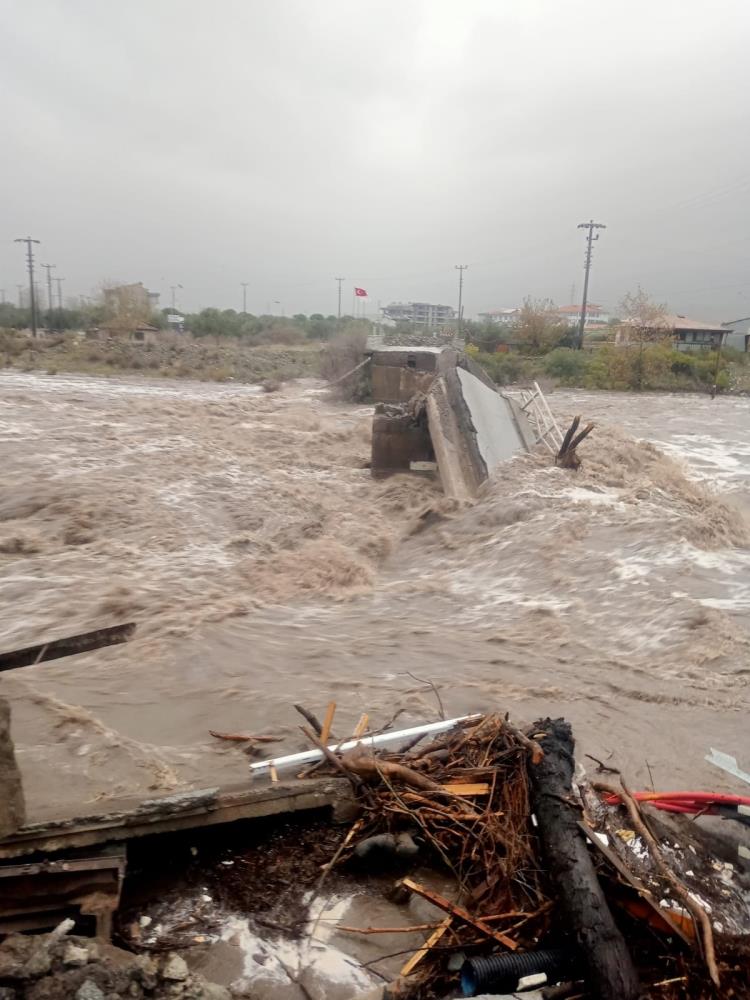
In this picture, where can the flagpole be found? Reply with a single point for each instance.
(354, 304)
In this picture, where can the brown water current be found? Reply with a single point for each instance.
(264, 566)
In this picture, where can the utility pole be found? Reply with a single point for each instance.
(30, 264)
(244, 296)
(715, 386)
(460, 268)
(50, 305)
(591, 226)
(339, 281)
(59, 292)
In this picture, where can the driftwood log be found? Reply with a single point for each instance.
(566, 457)
(610, 972)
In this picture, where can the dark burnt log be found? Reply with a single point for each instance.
(611, 974)
(566, 457)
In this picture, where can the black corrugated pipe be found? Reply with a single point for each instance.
(501, 973)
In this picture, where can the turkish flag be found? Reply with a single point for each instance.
(360, 293)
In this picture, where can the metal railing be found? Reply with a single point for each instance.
(541, 418)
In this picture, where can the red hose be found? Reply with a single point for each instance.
(685, 802)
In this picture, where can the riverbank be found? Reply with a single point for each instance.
(226, 359)
(657, 368)
(210, 359)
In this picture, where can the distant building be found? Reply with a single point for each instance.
(142, 333)
(500, 317)
(686, 334)
(738, 334)
(133, 298)
(596, 316)
(424, 314)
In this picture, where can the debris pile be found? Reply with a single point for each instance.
(555, 878)
(56, 966)
(475, 858)
(465, 798)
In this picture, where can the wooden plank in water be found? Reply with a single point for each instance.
(84, 642)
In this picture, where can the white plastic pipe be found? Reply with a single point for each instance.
(383, 739)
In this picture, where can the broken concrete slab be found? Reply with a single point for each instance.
(473, 428)
(497, 427)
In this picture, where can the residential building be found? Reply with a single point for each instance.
(500, 317)
(134, 298)
(419, 314)
(597, 317)
(686, 334)
(738, 334)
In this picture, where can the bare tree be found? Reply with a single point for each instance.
(643, 322)
(643, 319)
(538, 328)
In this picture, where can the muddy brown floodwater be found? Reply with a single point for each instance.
(264, 566)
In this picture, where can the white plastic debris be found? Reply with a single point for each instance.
(383, 739)
(727, 763)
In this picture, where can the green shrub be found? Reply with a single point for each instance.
(567, 365)
(503, 368)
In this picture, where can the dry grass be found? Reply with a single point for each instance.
(209, 359)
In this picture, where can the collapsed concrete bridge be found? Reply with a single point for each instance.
(437, 410)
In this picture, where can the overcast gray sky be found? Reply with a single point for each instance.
(285, 142)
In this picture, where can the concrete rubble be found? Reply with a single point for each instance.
(55, 967)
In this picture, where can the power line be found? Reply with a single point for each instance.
(30, 264)
(591, 226)
(460, 268)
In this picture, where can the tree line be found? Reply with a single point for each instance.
(123, 315)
